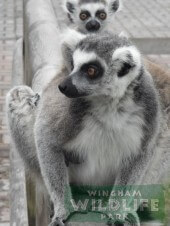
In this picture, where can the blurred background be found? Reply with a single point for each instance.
(147, 22)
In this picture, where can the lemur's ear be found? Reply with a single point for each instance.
(70, 6)
(114, 5)
(70, 39)
(126, 60)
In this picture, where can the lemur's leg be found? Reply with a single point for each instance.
(131, 178)
(21, 108)
(53, 168)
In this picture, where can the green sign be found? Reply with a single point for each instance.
(118, 203)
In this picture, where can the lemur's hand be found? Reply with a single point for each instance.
(131, 219)
(57, 222)
(60, 217)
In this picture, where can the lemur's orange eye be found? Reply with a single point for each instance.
(102, 16)
(92, 71)
(83, 16)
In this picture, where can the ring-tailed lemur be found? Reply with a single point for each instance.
(91, 15)
(102, 119)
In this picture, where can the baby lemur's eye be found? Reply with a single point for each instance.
(84, 15)
(102, 16)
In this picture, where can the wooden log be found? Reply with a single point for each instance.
(42, 43)
(42, 59)
(42, 207)
(31, 201)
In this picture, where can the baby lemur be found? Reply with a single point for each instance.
(91, 15)
(96, 123)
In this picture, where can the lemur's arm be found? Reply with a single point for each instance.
(49, 132)
(54, 171)
(131, 177)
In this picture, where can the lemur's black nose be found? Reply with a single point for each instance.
(62, 88)
(68, 88)
(92, 25)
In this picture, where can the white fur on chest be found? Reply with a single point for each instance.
(105, 141)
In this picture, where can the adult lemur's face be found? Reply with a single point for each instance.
(100, 65)
(91, 15)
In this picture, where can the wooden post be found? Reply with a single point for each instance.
(42, 208)
(42, 57)
(31, 201)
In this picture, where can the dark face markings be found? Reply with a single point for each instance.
(92, 70)
(101, 14)
(115, 5)
(70, 7)
(84, 15)
(126, 67)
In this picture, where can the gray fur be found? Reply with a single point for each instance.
(105, 40)
(116, 129)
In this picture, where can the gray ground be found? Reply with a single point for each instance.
(146, 19)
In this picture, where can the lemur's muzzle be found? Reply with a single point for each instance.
(93, 26)
(69, 89)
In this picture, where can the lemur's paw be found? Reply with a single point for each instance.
(21, 99)
(57, 222)
(131, 219)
